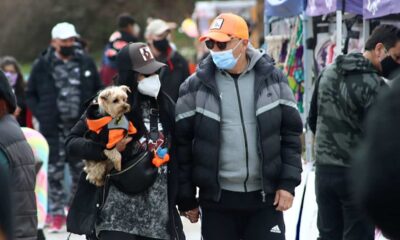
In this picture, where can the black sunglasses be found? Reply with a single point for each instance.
(211, 43)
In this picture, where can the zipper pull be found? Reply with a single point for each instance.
(263, 196)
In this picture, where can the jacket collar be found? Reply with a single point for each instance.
(206, 74)
(263, 69)
(49, 54)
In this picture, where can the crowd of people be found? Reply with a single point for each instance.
(222, 144)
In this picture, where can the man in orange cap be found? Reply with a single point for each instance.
(238, 139)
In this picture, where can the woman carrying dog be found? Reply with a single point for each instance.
(144, 208)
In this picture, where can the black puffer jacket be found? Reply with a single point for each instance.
(198, 137)
(41, 95)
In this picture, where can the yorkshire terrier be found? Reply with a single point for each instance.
(107, 125)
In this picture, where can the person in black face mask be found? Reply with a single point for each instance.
(345, 94)
(161, 45)
(67, 51)
(389, 65)
(61, 81)
(63, 40)
(157, 35)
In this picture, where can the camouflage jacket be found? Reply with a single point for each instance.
(343, 94)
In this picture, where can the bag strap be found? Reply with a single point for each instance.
(154, 116)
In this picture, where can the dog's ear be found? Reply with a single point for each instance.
(125, 88)
(104, 95)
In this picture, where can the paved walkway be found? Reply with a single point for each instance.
(192, 232)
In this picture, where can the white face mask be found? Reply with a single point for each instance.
(150, 86)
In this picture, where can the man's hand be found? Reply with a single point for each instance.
(283, 200)
(193, 215)
(121, 145)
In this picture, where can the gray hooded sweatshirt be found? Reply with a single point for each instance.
(240, 163)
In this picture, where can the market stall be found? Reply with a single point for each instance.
(284, 35)
(380, 8)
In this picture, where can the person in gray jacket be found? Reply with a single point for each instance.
(237, 139)
(17, 157)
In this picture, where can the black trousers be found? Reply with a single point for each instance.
(338, 216)
(241, 216)
(114, 235)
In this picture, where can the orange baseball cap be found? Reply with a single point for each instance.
(226, 26)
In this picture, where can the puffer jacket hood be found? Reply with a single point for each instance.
(355, 63)
(255, 55)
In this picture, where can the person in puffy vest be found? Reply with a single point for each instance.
(16, 158)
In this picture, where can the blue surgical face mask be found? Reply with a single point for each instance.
(225, 59)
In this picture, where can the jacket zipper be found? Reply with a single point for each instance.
(244, 134)
(170, 210)
(259, 142)
(104, 191)
(174, 226)
(263, 195)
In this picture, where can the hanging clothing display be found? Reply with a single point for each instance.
(277, 48)
(293, 67)
(356, 39)
(287, 51)
(324, 53)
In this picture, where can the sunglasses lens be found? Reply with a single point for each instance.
(221, 45)
(210, 44)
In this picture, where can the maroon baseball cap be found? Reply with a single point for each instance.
(138, 57)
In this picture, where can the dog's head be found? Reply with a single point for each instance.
(114, 100)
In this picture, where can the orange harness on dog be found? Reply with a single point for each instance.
(117, 128)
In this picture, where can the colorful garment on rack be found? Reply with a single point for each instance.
(40, 149)
(294, 64)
